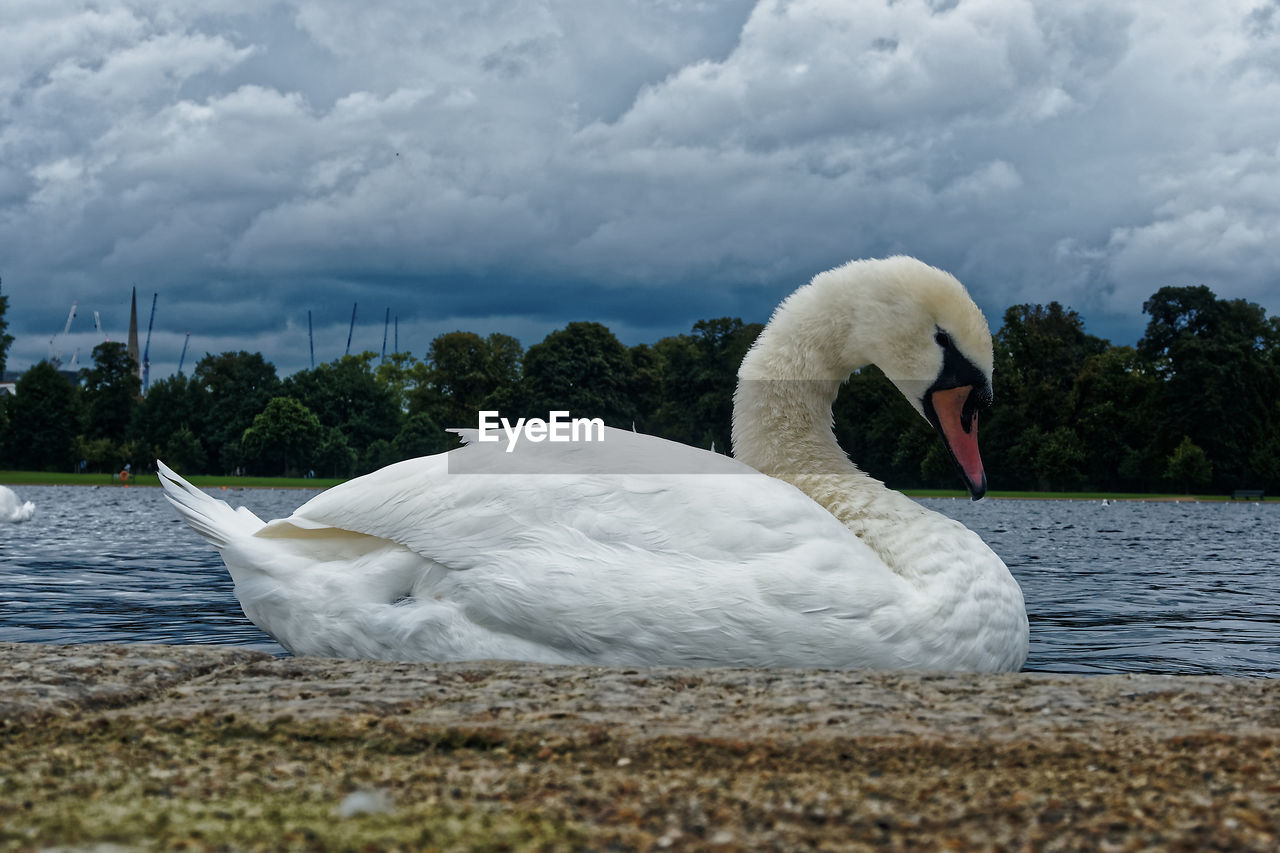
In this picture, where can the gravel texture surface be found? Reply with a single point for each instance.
(164, 747)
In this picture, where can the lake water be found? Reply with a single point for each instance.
(1131, 587)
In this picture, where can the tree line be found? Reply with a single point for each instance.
(1194, 407)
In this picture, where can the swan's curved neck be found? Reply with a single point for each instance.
(783, 428)
(787, 384)
(782, 421)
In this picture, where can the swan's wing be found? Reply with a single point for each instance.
(602, 557)
(631, 491)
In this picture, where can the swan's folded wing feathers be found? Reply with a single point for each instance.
(458, 519)
(210, 517)
(605, 566)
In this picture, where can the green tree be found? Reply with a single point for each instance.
(582, 369)
(283, 439)
(884, 435)
(1045, 346)
(44, 419)
(506, 357)
(400, 374)
(421, 436)
(334, 456)
(379, 454)
(936, 468)
(100, 455)
(1217, 360)
(458, 379)
(1188, 467)
(345, 394)
(1052, 459)
(677, 357)
(700, 373)
(647, 375)
(1114, 406)
(1266, 455)
(111, 391)
(172, 405)
(1265, 458)
(467, 373)
(183, 450)
(1039, 351)
(229, 390)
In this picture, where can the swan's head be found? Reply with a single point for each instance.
(916, 323)
(919, 326)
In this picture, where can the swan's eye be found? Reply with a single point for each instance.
(943, 339)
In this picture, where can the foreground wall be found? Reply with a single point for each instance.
(208, 747)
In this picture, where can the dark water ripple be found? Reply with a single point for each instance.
(1130, 587)
(1141, 586)
(113, 564)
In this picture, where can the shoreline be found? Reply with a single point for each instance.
(20, 479)
(216, 747)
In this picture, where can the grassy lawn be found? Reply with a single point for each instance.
(1069, 496)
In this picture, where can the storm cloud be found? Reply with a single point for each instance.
(514, 165)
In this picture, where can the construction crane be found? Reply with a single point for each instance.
(386, 324)
(146, 351)
(352, 329)
(56, 357)
(311, 341)
(183, 357)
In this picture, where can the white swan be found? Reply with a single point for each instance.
(637, 550)
(13, 508)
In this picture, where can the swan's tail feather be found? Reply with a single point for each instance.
(213, 519)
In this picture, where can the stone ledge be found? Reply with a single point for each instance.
(150, 681)
(510, 754)
(38, 681)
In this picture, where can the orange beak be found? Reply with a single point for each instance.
(957, 422)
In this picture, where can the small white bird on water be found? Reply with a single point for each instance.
(637, 550)
(13, 508)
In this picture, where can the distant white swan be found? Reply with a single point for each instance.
(637, 550)
(13, 508)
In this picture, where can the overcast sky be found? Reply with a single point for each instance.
(513, 165)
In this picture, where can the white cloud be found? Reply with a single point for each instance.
(1087, 152)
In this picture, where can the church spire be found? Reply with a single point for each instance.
(133, 333)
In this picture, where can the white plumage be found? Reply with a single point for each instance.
(638, 550)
